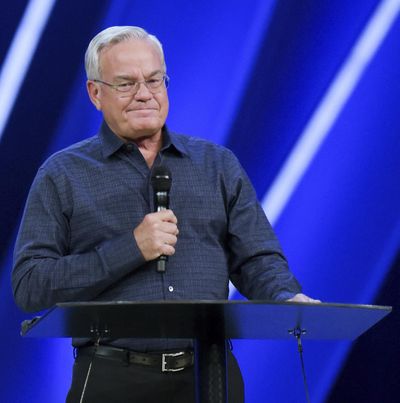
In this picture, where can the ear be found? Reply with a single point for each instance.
(93, 90)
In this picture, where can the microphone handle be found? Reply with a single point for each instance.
(161, 263)
(162, 260)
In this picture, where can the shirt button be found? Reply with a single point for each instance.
(170, 288)
(129, 147)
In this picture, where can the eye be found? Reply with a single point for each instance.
(124, 87)
(154, 82)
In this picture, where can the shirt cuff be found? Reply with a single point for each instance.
(120, 255)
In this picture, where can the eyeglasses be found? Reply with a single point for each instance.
(132, 87)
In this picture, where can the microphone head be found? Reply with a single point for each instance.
(161, 179)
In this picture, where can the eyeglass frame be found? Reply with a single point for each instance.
(136, 84)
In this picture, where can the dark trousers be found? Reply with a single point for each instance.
(112, 381)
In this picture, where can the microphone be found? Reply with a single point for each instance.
(161, 181)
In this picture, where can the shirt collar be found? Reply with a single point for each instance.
(172, 141)
(111, 143)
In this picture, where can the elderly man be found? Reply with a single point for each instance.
(89, 234)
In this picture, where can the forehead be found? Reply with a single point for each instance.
(130, 57)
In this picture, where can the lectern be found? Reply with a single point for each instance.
(209, 323)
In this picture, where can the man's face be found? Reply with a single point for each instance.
(131, 116)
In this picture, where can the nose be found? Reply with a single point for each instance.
(143, 93)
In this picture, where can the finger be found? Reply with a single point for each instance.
(303, 298)
(168, 228)
(167, 215)
(155, 223)
(168, 239)
(172, 240)
(167, 250)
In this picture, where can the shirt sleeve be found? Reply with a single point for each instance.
(44, 272)
(258, 267)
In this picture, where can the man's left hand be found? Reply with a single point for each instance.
(302, 298)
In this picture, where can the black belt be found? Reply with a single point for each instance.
(167, 362)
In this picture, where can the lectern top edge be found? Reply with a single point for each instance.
(223, 302)
(192, 319)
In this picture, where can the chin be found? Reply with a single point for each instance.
(150, 125)
(143, 131)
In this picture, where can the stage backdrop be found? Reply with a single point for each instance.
(305, 92)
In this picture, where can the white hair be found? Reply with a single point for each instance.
(112, 36)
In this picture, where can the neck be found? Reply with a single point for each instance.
(149, 147)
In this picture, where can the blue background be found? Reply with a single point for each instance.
(249, 75)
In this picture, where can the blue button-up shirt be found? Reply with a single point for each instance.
(76, 239)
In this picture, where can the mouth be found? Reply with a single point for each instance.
(142, 110)
(142, 113)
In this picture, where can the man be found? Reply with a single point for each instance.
(89, 234)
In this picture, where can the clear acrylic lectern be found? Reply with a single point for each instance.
(209, 324)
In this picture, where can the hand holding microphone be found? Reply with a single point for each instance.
(156, 235)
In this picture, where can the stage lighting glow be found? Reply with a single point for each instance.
(329, 109)
(20, 54)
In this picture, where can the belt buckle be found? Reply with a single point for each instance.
(164, 362)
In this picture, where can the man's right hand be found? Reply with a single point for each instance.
(157, 234)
